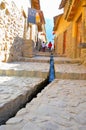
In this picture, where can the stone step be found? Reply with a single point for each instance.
(43, 59)
(25, 69)
(35, 59)
(24, 73)
(15, 92)
(59, 75)
(70, 71)
(41, 70)
(75, 76)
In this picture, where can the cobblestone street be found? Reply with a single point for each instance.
(43, 65)
(61, 105)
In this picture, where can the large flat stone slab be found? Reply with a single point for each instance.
(15, 92)
(60, 106)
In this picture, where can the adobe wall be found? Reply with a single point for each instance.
(69, 47)
(60, 44)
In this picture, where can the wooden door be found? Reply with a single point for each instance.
(79, 37)
(64, 42)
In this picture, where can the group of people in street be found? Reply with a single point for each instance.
(42, 46)
(49, 46)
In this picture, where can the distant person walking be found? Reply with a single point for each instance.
(43, 46)
(50, 45)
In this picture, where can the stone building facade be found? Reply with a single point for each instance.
(12, 29)
(17, 36)
(70, 29)
(8, 27)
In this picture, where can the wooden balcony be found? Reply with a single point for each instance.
(70, 9)
(35, 4)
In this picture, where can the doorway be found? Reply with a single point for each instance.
(64, 42)
(79, 36)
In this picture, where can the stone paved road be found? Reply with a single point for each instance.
(60, 106)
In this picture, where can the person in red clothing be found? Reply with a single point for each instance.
(50, 45)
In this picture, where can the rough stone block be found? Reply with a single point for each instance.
(28, 48)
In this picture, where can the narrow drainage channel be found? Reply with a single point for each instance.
(10, 109)
(28, 96)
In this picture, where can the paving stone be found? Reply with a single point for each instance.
(81, 118)
(82, 128)
(31, 126)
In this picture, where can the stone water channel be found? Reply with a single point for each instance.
(15, 88)
(10, 102)
(16, 92)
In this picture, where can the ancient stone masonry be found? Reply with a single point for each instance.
(11, 26)
(21, 48)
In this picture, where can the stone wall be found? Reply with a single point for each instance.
(28, 49)
(20, 48)
(69, 48)
(16, 50)
(11, 27)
